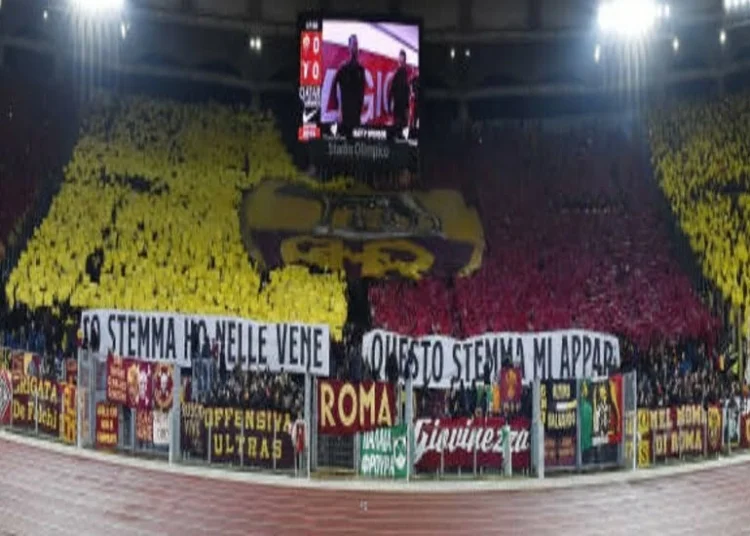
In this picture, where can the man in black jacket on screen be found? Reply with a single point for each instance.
(349, 87)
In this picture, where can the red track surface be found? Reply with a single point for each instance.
(47, 493)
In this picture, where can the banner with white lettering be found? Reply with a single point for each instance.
(439, 360)
(295, 348)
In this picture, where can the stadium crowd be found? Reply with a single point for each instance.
(574, 239)
(31, 146)
(702, 158)
(147, 219)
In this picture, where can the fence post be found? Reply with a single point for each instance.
(409, 415)
(537, 429)
(133, 416)
(579, 452)
(175, 431)
(652, 433)
(311, 430)
(11, 397)
(62, 429)
(273, 458)
(442, 460)
(242, 441)
(93, 369)
(79, 399)
(208, 443)
(356, 453)
(636, 432)
(36, 408)
(636, 437)
(474, 451)
(725, 429)
(507, 452)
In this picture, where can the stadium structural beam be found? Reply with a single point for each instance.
(521, 90)
(465, 23)
(534, 14)
(254, 10)
(436, 35)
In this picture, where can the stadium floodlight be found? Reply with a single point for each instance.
(453, 53)
(722, 38)
(98, 6)
(597, 53)
(676, 45)
(630, 18)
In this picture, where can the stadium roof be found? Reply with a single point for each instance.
(473, 49)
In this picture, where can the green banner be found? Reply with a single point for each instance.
(383, 453)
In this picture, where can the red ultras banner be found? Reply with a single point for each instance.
(457, 439)
(345, 408)
(107, 425)
(117, 382)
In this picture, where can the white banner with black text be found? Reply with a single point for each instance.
(439, 360)
(291, 347)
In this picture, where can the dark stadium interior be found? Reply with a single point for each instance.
(559, 181)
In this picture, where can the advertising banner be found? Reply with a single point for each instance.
(672, 432)
(511, 388)
(69, 414)
(254, 438)
(345, 408)
(160, 424)
(117, 381)
(559, 403)
(383, 453)
(554, 355)
(152, 337)
(107, 425)
(162, 382)
(731, 420)
(144, 425)
(193, 439)
(453, 443)
(36, 400)
(601, 406)
(140, 385)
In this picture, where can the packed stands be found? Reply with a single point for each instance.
(575, 238)
(147, 219)
(702, 158)
(30, 147)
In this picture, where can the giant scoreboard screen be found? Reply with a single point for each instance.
(359, 89)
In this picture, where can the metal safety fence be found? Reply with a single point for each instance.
(371, 429)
